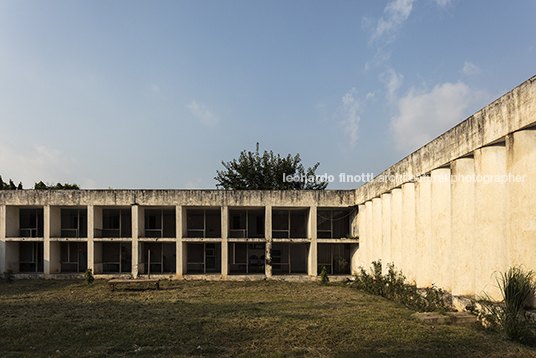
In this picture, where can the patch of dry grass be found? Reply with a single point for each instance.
(200, 318)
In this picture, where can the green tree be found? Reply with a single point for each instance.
(41, 186)
(9, 186)
(253, 171)
(59, 186)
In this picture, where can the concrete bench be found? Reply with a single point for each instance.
(114, 282)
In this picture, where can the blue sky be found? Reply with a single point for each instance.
(155, 94)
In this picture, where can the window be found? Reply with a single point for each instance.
(116, 223)
(333, 223)
(159, 257)
(203, 258)
(335, 257)
(203, 223)
(246, 258)
(116, 257)
(31, 223)
(31, 256)
(289, 223)
(73, 256)
(246, 223)
(289, 258)
(160, 223)
(73, 223)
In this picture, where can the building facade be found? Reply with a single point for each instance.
(177, 233)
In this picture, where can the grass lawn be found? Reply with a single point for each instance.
(64, 318)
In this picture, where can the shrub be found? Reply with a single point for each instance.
(324, 279)
(515, 285)
(88, 277)
(393, 286)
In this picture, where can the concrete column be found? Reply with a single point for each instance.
(423, 231)
(184, 243)
(91, 224)
(441, 228)
(386, 230)
(46, 239)
(396, 227)
(377, 223)
(224, 241)
(521, 202)
(137, 230)
(3, 223)
(55, 257)
(357, 258)
(268, 237)
(463, 226)
(369, 236)
(54, 222)
(178, 242)
(490, 218)
(409, 257)
(521, 160)
(313, 248)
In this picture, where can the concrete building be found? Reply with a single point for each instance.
(452, 213)
(178, 233)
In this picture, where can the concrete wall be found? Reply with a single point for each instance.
(458, 234)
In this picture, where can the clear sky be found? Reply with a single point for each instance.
(155, 94)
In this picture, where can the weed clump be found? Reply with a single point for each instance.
(324, 279)
(88, 277)
(515, 285)
(394, 287)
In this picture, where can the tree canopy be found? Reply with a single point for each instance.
(253, 171)
(58, 186)
(10, 185)
(39, 186)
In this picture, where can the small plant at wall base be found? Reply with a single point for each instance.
(88, 277)
(516, 286)
(324, 279)
(393, 286)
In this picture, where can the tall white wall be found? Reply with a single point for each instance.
(386, 253)
(490, 218)
(423, 232)
(409, 257)
(441, 228)
(463, 226)
(521, 199)
(396, 226)
(376, 245)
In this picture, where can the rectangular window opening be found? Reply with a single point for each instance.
(73, 256)
(203, 223)
(335, 257)
(246, 223)
(203, 258)
(160, 223)
(74, 223)
(31, 222)
(289, 224)
(247, 258)
(289, 258)
(333, 223)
